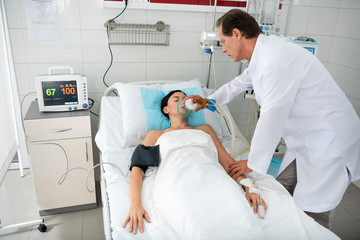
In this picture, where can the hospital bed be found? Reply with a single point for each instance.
(124, 121)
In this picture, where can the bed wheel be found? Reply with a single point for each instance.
(42, 227)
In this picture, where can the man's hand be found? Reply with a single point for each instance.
(197, 97)
(238, 168)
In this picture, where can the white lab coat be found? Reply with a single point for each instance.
(302, 103)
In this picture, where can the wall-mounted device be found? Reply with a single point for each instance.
(61, 92)
(306, 42)
(209, 41)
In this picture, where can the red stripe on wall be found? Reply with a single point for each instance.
(196, 2)
(199, 2)
(202, 2)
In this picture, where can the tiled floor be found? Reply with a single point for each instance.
(18, 204)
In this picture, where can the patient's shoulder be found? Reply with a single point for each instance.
(206, 128)
(152, 136)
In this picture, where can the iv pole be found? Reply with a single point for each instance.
(210, 55)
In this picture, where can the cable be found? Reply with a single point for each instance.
(62, 178)
(91, 105)
(107, 32)
(94, 114)
(21, 112)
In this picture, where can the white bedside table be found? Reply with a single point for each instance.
(57, 142)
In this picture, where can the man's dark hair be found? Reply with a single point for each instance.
(164, 101)
(241, 20)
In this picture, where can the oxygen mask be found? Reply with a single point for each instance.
(184, 108)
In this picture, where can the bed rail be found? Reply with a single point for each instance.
(105, 204)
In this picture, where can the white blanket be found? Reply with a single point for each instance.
(190, 196)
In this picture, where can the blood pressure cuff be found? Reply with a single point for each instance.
(144, 157)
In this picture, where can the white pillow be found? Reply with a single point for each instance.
(134, 114)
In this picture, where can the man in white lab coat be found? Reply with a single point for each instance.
(300, 102)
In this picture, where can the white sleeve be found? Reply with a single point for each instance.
(232, 89)
(280, 88)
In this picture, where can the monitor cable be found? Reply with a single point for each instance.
(107, 32)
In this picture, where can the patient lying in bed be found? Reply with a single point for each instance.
(190, 195)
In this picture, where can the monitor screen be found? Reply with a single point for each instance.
(60, 93)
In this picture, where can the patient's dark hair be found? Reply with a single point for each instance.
(164, 101)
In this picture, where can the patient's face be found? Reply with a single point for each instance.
(173, 100)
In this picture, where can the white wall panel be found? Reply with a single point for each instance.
(179, 20)
(356, 105)
(68, 14)
(327, 3)
(322, 21)
(346, 52)
(95, 49)
(324, 47)
(119, 72)
(184, 47)
(93, 15)
(347, 78)
(299, 20)
(15, 13)
(350, 4)
(348, 23)
(67, 49)
(173, 71)
(17, 37)
(303, 2)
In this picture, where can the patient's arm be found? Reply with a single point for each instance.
(226, 160)
(137, 211)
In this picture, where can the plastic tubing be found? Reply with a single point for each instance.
(234, 132)
(62, 178)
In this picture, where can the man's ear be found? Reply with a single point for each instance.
(236, 33)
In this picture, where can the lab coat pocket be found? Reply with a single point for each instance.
(322, 142)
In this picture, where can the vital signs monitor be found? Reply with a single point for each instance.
(61, 92)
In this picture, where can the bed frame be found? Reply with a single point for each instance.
(224, 112)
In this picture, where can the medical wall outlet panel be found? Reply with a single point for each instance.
(57, 143)
(268, 16)
(268, 28)
(61, 92)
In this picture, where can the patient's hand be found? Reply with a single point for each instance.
(254, 200)
(135, 218)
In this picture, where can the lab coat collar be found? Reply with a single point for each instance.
(257, 50)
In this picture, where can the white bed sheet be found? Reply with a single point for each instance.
(284, 219)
